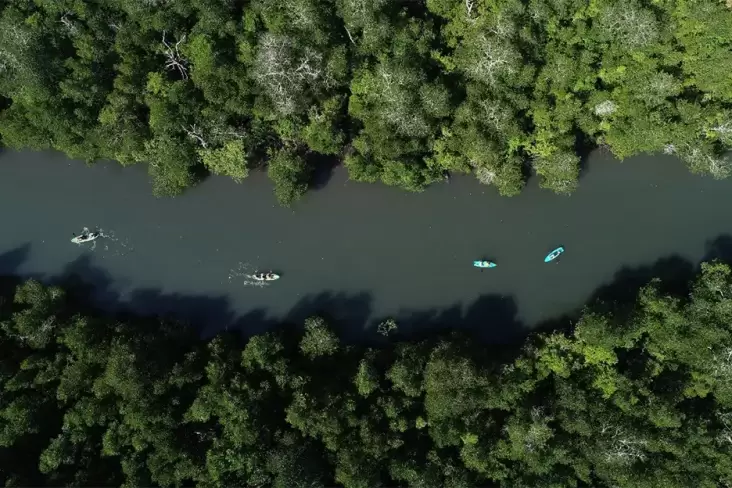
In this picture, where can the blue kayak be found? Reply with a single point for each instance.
(484, 264)
(554, 254)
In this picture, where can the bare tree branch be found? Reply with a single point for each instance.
(495, 114)
(484, 174)
(350, 36)
(722, 362)
(469, 7)
(235, 133)
(503, 27)
(706, 161)
(195, 133)
(493, 58)
(723, 129)
(725, 436)
(635, 26)
(67, 22)
(175, 59)
(286, 71)
(622, 449)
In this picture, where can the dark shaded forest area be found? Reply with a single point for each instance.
(403, 91)
(629, 397)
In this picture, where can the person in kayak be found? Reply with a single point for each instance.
(264, 276)
(85, 232)
(86, 236)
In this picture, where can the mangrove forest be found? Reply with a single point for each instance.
(638, 395)
(405, 91)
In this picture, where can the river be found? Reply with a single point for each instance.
(358, 252)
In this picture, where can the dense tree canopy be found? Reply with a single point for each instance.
(402, 91)
(640, 399)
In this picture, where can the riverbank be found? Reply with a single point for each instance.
(620, 400)
(360, 252)
(401, 91)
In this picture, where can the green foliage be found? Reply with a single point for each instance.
(318, 339)
(387, 327)
(322, 134)
(402, 91)
(229, 160)
(559, 171)
(642, 399)
(290, 173)
(167, 165)
(366, 379)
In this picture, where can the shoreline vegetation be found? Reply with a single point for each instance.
(402, 92)
(629, 396)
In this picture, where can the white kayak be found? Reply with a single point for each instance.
(86, 237)
(265, 276)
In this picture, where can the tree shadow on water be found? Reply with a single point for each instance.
(252, 323)
(490, 319)
(348, 313)
(322, 170)
(88, 284)
(620, 295)
(202, 311)
(719, 248)
(583, 147)
(91, 288)
(676, 274)
(10, 262)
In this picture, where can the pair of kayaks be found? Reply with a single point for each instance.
(549, 257)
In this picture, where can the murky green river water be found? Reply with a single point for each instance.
(360, 252)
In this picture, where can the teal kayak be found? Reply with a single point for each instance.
(554, 254)
(484, 264)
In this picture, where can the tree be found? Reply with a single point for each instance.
(620, 400)
(169, 165)
(402, 92)
(318, 340)
(229, 160)
(289, 173)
